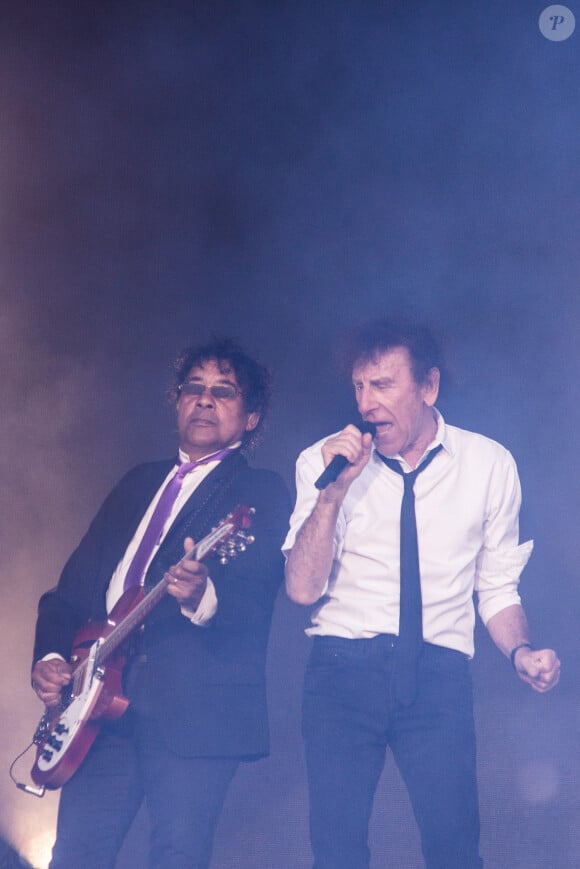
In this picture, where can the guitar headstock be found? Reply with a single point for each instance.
(239, 539)
(230, 536)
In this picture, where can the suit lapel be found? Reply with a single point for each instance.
(206, 506)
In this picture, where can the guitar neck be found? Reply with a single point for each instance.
(132, 621)
(138, 615)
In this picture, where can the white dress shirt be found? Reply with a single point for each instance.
(207, 607)
(467, 505)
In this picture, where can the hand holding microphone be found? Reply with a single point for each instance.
(337, 465)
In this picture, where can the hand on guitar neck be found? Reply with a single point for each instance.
(49, 678)
(187, 580)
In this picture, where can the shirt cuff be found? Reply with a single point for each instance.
(206, 609)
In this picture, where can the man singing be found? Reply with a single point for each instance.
(422, 515)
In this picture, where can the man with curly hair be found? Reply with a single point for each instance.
(196, 675)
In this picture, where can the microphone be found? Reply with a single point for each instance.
(339, 463)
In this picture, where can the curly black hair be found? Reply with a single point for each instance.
(254, 379)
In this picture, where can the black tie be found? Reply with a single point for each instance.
(410, 608)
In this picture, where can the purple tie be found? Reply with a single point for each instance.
(160, 515)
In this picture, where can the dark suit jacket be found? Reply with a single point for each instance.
(205, 686)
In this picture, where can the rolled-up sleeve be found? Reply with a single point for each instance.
(305, 498)
(498, 577)
(309, 466)
(502, 558)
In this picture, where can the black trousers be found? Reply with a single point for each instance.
(129, 762)
(349, 719)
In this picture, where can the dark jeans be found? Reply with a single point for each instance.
(129, 762)
(350, 717)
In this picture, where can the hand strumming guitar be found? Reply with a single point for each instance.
(49, 678)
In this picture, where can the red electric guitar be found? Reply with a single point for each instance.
(66, 732)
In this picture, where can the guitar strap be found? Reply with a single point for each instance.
(214, 506)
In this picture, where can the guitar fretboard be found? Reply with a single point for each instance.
(138, 615)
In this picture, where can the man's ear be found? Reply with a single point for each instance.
(253, 420)
(431, 386)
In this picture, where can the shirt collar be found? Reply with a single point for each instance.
(441, 437)
(185, 458)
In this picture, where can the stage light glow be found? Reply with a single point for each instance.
(39, 848)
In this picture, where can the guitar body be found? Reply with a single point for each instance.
(65, 735)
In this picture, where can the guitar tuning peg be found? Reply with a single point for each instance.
(243, 535)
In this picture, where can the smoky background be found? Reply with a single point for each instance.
(276, 172)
